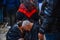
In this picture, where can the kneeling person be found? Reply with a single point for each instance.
(31, 30)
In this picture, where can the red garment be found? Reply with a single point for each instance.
(25, 11)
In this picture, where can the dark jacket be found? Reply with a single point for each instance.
(33, 34)
(24, 13)
(51, 14)
(14, 33)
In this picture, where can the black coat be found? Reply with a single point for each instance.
(51, 14)
(14, 33)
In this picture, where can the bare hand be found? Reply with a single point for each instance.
(21, 39)
(41, 36)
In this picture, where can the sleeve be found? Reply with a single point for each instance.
(12, 35)
(44, 3)
(44, 24)
(46, 21)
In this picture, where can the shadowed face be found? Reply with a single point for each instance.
(28, 27)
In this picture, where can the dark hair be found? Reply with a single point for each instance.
(20, 24)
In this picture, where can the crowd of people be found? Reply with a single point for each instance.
(32, 19)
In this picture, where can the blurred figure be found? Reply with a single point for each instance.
(11, 7)
(51, 19)
(23, 30)
(28, 11)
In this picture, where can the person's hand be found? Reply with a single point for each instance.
(21, 39)
(41, 36)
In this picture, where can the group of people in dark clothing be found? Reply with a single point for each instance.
(28, 14)
(32, 24)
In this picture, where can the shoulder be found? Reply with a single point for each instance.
(13, 29)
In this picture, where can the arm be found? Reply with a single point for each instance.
(40, 35)
(13, 34)
(47, 12)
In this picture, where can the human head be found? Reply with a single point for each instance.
(27, 25)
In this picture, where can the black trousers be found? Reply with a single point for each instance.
(11, 16)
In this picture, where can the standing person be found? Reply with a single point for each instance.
(28, 11)
(51, 22)
(11, 9)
